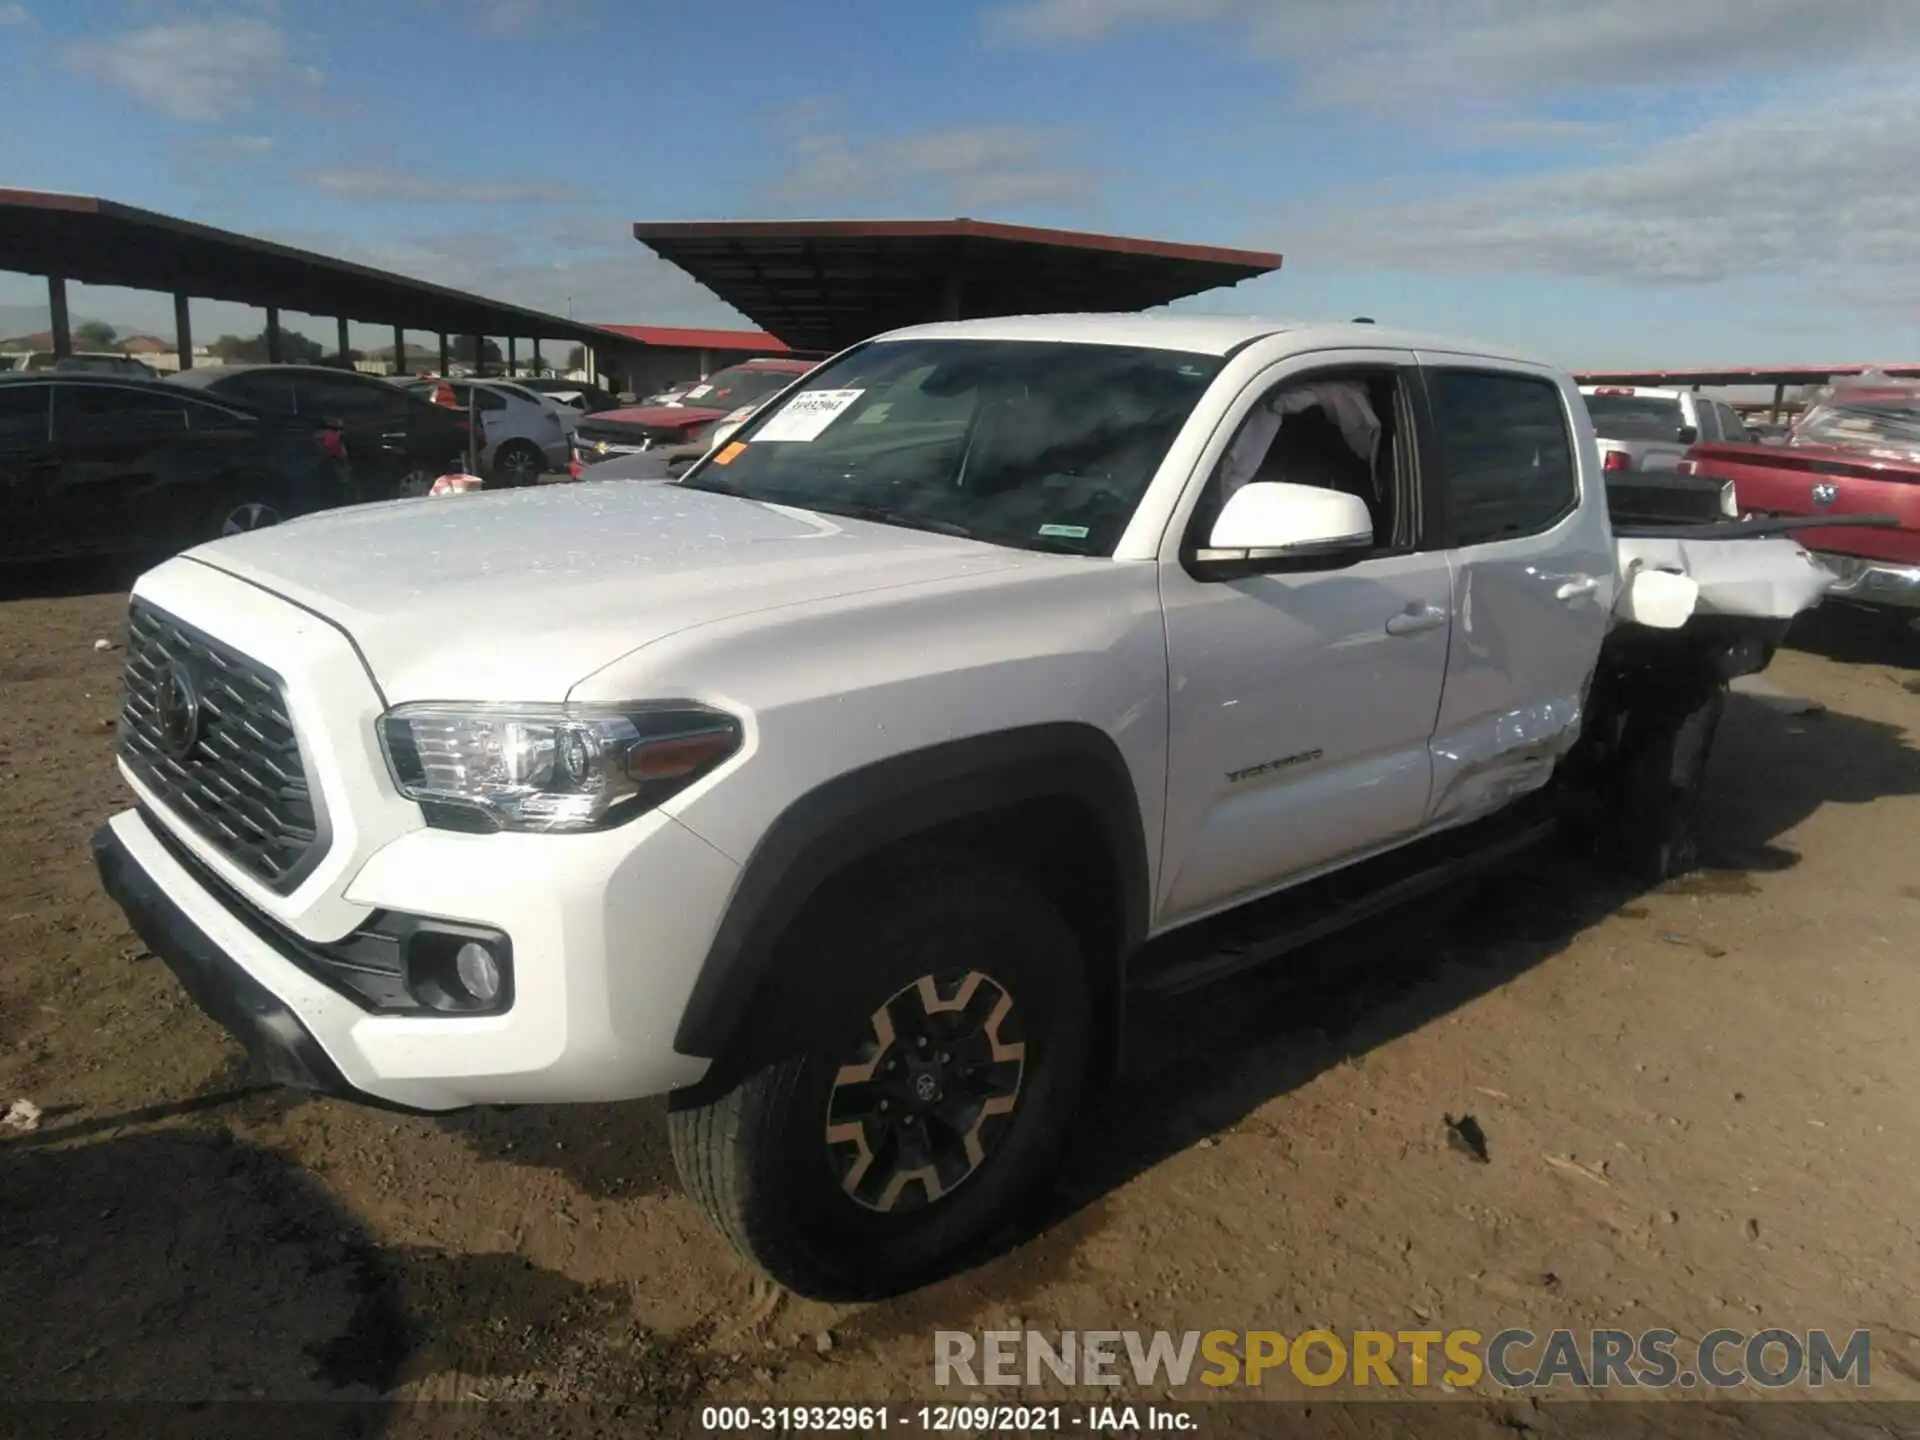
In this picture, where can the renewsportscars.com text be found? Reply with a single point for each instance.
(1513, 1358)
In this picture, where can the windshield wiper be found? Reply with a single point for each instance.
(884, 516)
(712, 487)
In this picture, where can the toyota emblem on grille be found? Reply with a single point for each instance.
(1825, 493)
(177, 707)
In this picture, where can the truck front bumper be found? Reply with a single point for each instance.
(1872, 582)
(607, 941)
(212, 978)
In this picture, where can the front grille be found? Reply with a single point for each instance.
(237, 780)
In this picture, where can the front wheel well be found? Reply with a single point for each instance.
(1059, 846)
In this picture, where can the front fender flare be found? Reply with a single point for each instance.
(860, 814)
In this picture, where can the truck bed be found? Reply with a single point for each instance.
(1776, 480)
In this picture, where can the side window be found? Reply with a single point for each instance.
(103, 407)
(265, 389)
(203, 415)
(1708, 418)
(26, 415)
(340, 399)
(1506, 460)
(1732, 427)
(482, 400)
(1339, 431)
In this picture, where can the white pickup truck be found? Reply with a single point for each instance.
(846, 788)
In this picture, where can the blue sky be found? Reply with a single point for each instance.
(1604, 182)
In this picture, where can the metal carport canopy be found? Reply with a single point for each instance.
(101, 242)
(1736, 375)
(825, 284)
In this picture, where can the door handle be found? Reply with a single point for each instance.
(1577, 587)
(1417, 620)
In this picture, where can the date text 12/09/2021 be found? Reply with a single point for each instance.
(946, 1419)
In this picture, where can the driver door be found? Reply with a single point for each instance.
(1302, 703)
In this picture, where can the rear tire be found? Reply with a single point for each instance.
(1663, 764)
(869, 1163)
(242, 513)
(518, 465)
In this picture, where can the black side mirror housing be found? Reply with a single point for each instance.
(1688, 435)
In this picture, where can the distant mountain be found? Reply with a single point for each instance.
(22, 320)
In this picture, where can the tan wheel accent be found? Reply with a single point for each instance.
(923, 1104)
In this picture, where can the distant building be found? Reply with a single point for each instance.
(666, 355)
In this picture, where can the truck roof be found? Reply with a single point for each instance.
(1201, 334)
(1651, 392)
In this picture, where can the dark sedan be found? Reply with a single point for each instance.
(398, 443)
(96, 464)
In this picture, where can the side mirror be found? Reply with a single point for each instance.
(1269, 526)
(1688, 434)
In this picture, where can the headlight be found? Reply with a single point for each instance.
(550, 767)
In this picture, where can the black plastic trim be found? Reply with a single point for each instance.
(269, 1029)
(862, 813)
(377, 950)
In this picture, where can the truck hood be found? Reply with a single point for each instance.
(522, 594)
(659, 417)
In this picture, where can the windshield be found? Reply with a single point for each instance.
(1635, 417)
(1887, 427)
(740, 385)
(1030, 444)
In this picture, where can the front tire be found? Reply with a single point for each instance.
(949, 1022)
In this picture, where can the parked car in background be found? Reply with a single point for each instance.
(683, 422)
(86, 362)
(397, 443)
(1643, 432)
(95, 464)
(587, 399)
(522, 433)
(1855, 451)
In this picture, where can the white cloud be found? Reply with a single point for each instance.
(503, 18)
(15, 14)
(1787, 188)
(199, 69)
(375, 184)
(1386, 55)
(620, 281)
(984, 167)
(1671, 141)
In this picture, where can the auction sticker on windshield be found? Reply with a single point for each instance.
(805, 416)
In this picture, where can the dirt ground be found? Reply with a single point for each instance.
(1699, 1106)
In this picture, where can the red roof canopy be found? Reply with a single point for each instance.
(675, 337)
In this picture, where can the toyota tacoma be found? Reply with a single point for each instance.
(844, 789)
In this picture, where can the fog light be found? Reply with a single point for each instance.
(478, 972)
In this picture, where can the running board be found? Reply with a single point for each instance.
(1268, 929)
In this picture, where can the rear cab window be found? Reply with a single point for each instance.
(1624, 415)
(1507, 467)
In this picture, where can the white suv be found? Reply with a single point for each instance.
(844, 789)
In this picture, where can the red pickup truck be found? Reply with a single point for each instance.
(1855, 451)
